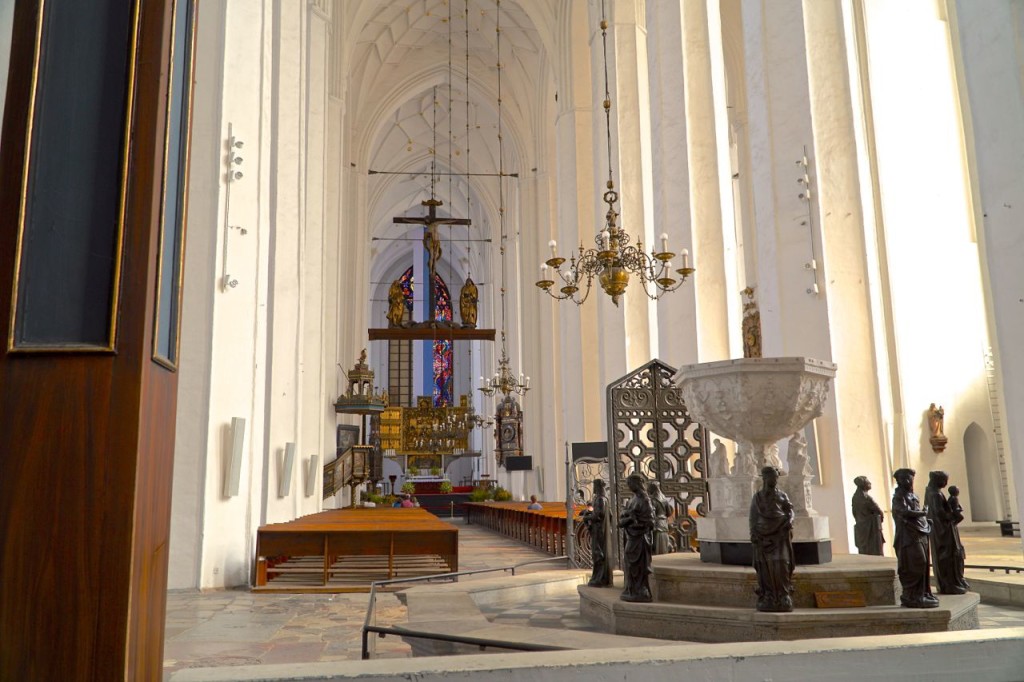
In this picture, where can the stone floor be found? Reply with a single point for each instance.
(237, 627)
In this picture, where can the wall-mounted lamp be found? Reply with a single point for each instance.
(805, 181)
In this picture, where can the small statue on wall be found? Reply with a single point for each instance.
(911, 543)
(396, 304)
(947, 550)
(596, 520)
(867, 516)
(637, 522)
(771, 534)
(468, 298)
(751, 325)
(662, 508)
(936, 424)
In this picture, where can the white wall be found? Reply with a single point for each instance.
(252, 340)
(987, 39)
(938, 317)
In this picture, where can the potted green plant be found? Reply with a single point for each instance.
(502, 495)
(445, 487)
(408, 487)
(480, 494)
(436, 472)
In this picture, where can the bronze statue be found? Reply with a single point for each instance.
(911, 543)
(637, 523)
(947, 550)
(867, 516)
(662, 508)
(396, 304)
(771, 534)
(467, 304)
(596, 520)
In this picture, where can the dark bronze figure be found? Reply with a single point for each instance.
(596, 519)
(911, 541)
(947, 550)
(867, 516)
(662, 508)
(637, 523)
(771, 534)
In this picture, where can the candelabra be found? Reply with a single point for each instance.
(504, 380)
(612, 262)
(615, 259)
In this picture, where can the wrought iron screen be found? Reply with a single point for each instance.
(651, 433)
(588, 462)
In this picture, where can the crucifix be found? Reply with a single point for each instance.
(431, 241)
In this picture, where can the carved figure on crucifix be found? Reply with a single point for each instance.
(431, 240)
(432, 245)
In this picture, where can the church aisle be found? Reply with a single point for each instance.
(237, 627)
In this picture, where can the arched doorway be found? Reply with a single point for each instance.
(982, 474)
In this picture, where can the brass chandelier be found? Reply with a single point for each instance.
(615, 259)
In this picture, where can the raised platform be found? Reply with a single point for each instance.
(343, 550)
(692, 623)
(700, 602)
(683, 578)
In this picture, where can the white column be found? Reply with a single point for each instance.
(676, 312)
(986, 41)
(855, 424)
(705, 136)
(630, 113)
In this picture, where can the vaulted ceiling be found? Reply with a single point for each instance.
(422, 95)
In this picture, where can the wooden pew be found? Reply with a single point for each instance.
(335, 547)
(541, 528)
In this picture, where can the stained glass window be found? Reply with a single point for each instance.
(407, 283)
(442, 347)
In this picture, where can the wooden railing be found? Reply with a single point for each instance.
(353, 467)
(542, 528)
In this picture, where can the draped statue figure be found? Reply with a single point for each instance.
(662, 508)
(867, 516)
(771, 534)
(596, 520)
(947, 550)
(911, 543)
(637, 523)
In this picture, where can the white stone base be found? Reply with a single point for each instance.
(737, 529)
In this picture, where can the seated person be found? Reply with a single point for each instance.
(407, 501)
(534, 504)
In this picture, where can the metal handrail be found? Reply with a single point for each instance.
(993, 569)
(369, 627)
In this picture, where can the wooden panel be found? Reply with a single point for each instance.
(69, 247)
(86, 456)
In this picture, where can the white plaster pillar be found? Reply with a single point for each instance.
(630, 110)
(705, 135)
(855, 424)
(285, 309)
(575, 329)
(317, 372)
(677, 311)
